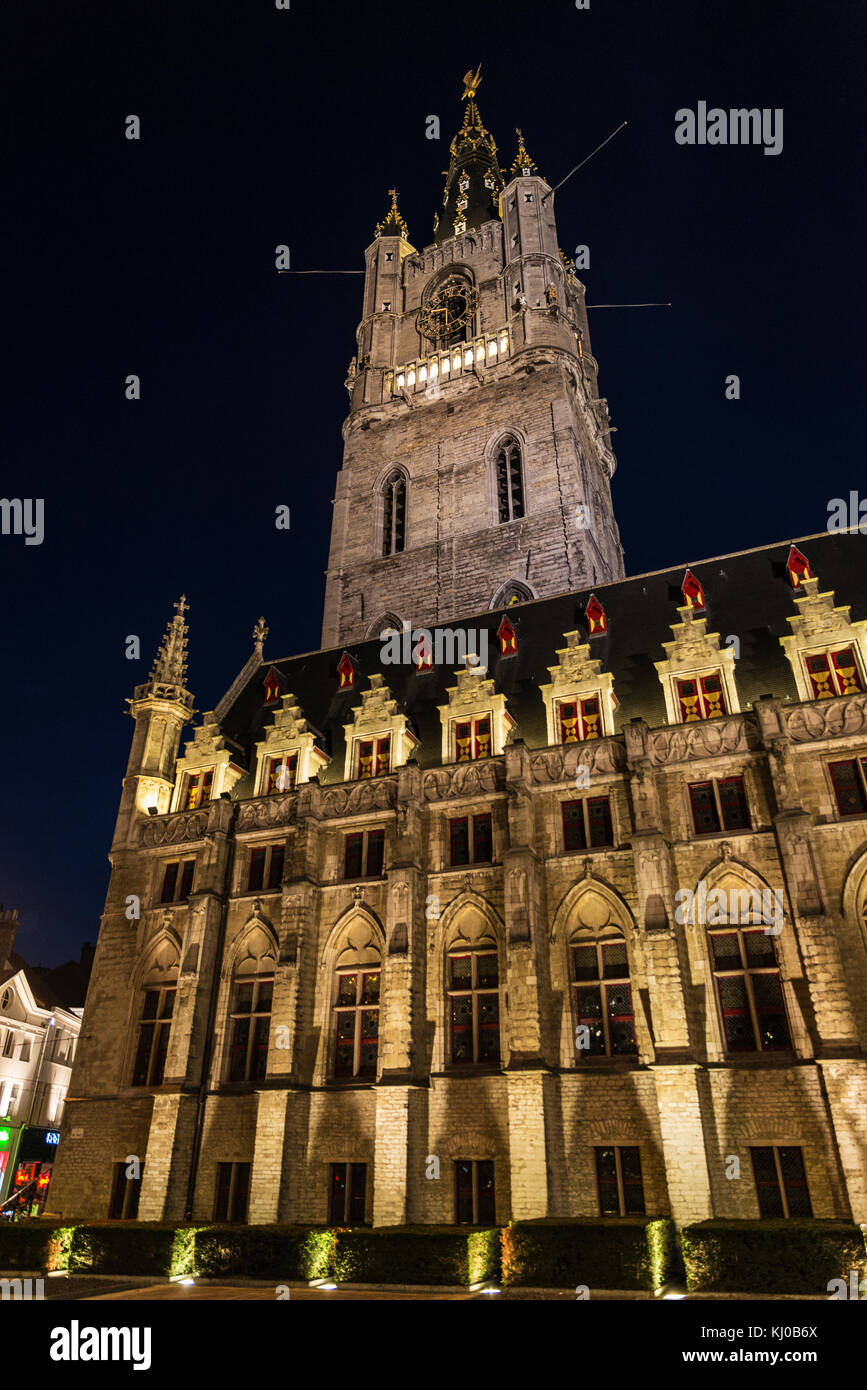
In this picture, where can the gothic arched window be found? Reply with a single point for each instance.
(250, 1009)
(510, 481)
(394, 514)
(602, 996)
(156, 1003)
(474, 1006)
(749, 988)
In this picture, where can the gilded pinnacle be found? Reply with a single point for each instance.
(393, 224)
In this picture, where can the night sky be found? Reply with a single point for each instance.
(261, 127)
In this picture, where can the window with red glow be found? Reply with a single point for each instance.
(472, 739)
(357, 1023)
(749, 989)
(701, 697)
(474, 1007)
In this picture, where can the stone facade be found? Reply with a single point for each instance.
(289, 884)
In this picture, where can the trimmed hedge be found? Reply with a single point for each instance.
(264, 1252)
(619, 1252)
(146, 1247)
(34, 1244)
(795, 1257)
(417, 1255)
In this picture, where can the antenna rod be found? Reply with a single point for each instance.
(628, 306)
(584, 161)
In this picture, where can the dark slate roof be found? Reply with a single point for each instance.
(747, 594)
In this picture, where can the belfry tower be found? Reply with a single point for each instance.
(477, 459)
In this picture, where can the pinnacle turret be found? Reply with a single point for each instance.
(170, 663)
(392, 224)
(522, 165)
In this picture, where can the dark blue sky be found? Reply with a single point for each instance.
(262, 127)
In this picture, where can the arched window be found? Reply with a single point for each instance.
(394, 515)
(749, 989)
(250, 1009)
(474, 1006)
(510, 594)
(602, 997)
(510, 481)
(156, 1004)
(358, 977)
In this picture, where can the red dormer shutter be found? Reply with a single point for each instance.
(272, 687)
(508, 638)
(693, 594)
(595, 615)
(346, 672)
(798, 567)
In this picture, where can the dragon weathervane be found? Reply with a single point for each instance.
(472, 82)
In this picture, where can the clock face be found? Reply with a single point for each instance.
(448, 311)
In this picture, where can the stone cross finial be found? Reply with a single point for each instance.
(260, 632)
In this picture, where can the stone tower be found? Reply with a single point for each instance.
(477, 459)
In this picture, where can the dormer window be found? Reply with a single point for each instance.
(197, 789)
(374, 756)
(281, 774)
(472, 739)
(701, 697)
(834, 673)
(579, 719)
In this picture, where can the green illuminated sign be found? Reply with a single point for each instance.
(4, 1138)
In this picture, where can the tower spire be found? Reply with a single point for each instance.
(170, 664)
(474, 181)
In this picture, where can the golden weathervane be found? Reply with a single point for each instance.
(472, 82)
